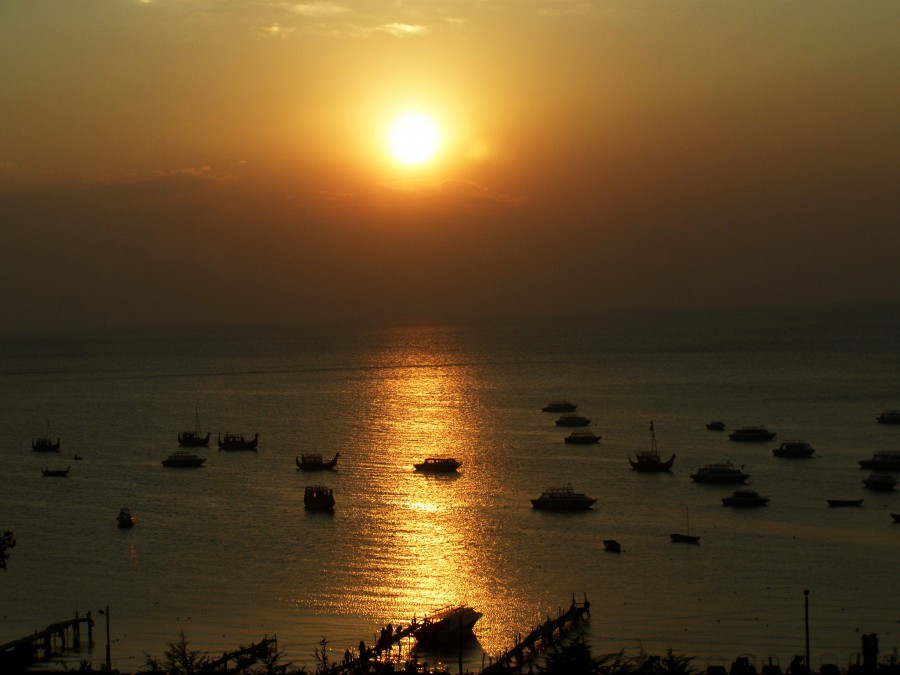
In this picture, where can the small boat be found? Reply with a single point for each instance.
(55, 473)
(77, 457)
(560, 406)
(572, 421)
(237, 442)
(844, 502)
(184, 459)
(678, 538)
(889, 417)
(447, 626)
(126, 518)
(438, 465)
(195, 438)
(716, 425)
(882, 461)
(45, 444)
(318, 498)
(883, 482)
(751, 434)
(722, 473)
(896, 517)
(794, 449)
(648, 461)
(314, 462)
(745, 498)
(612, 546)
(582, 438)
(562, 499)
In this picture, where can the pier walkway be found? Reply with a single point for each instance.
(43, 644)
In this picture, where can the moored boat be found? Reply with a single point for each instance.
(612, 546)
(721, 473)
(794, 449)
(184, 459)
(560, 406)
(883, 482)
(237, 442)
(438, 465)
(755, 434)
(572, 421)
(562, 499)
(745, 498)
(194, 438)
(314, 462)
(318, 498)
(582, 438)
(889, 417)
(126, 518)
(648, 461)
(45, 443)
(681, 538)
(844, 502)
(55, 473)
(882, 461)
(716, 425)
(447, 626)
(896, 517)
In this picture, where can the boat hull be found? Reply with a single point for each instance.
(844, 502)
(684, 538)
(649, 465)
(307, 463)
(447, 627)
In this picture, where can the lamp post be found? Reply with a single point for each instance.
(106, 614)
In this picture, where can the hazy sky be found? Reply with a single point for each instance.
(225, 160)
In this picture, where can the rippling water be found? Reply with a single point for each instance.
(227, 553)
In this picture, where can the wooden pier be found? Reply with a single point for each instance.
(44, 644)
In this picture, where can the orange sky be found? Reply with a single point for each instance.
(225, 160)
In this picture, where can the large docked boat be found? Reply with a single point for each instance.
(582, 438)
(438, 465)
(883, 482)
(193, 438)
(889, 417)
(237, 442)
(745, 498)
(794, 449)
(184, 459)
(314, 462)
(721, 473)
(447, 626)
(882, 461)
(560, 406)
(562, 499)
(318, 498)
(648, 461)
(572, 421)
(755, 434)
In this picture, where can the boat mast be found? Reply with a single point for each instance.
(653, 449)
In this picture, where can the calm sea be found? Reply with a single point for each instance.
(227, 554)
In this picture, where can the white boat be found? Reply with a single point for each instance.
(794, 449)
(745, 498)
(722, 473)
(438, 465)
(447, 626)
(563, 499)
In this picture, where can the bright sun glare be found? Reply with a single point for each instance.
(413, 138)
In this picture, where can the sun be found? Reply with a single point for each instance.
(413, 138)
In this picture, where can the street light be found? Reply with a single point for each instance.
(106, 614)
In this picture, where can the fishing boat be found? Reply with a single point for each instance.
(184, 459)
(447, 626)
(560, 406)
(45, 443)
(648, 461)
(679, 538)
(889, 417)
(195, 438)
(612, 546)
(794, 449)
(582, 438)
(237, 442)
(562, 499)
(745, 498)
(844, 502)
(883, 482)
(438, 465)
(126, 518)
(314, 462)
(716, 425)
(55, 473)
(318, 498)
(882, 461)
(721, 473)
(896, 517)
(755, 434)
(572, 421)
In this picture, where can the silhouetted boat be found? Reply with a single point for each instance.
(45, 444)
(438, 465)
(77, 457)
(318, 498)
(752, 434)
(572, 421)
(126, 518)
(648, 461)
(688, 538)
(889, 417)
(562, 499)
(582, 438)
(314, 462)
(723, 473)
(56, 473)
(237, 442)
(896, 517)
(793, 449)
(612, 546)
(883, 482)
(715, 425)
(447, 626)
(560, 406)
(184, 459)
(844, 502)
(195, 438)
(882, 461)
(745, 498)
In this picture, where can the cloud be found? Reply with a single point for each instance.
(403, 29)
(318, 10)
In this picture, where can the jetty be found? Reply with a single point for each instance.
(45, 643)
(242, 657)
